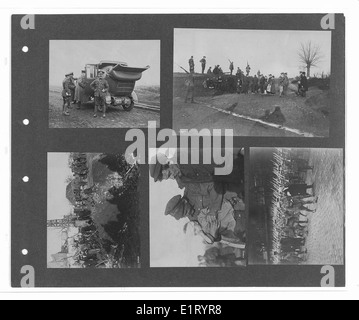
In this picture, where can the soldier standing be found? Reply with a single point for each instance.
(204, 63)
(190, 88)
(100, 86)
(286, 83)
(191, 64)
(80, 87)
(231, 67)
(282, 84)
(66, 94)
(72, 87)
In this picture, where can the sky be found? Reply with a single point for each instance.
(271, 52)
(170, 247)
(57, 203)
(72, 56)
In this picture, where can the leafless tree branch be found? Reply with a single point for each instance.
(310, 55)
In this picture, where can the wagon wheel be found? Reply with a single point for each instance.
(130, 107)
(134, 100)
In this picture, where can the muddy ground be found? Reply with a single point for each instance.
(116, 117)
(309, 115)
(325, 242)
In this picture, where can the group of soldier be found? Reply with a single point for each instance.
(74, 92)
(217, 70)
(245, 84)
(212, 205)
(86, 242)
(297, 203)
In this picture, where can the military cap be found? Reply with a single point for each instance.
(172, 204)
(100, 71)
(156, 169)
(69, 74)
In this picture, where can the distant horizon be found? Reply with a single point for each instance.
(72, 56)
(267, 51)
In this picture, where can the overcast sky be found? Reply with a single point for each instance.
(72, 56)
(271, 52)
(170, 247)
(57, 203)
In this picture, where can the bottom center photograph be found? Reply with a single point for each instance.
(197, 217)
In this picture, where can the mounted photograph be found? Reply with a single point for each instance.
(93, 211)
(256, 82)
(296, 206)
(104, 83)
(197, 218)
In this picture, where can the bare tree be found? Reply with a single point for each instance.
(310, 55)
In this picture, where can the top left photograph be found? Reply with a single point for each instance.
(104, 83)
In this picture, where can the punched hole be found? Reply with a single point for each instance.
(26, 122)
(25, 252)
(25, 49)
(26, 179)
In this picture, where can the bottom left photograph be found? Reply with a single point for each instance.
(92, 211)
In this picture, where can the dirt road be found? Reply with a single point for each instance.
(83, 118)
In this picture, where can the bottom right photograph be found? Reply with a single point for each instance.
(296, 207)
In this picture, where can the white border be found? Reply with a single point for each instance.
(348, 7)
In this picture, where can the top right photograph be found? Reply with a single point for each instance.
(257, 82)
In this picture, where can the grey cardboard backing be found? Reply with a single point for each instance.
(30, 144)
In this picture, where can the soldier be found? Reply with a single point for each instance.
(255, 87)
(100, 86)
(231, 67)
(66, 94)
(191, 64)
(262, 83)
(203, 63)
(79, 92)
(281, 84)
(186, 175)
(73, 88)
(190, 88)
(211, 225)
(286, 83)
(303, 85)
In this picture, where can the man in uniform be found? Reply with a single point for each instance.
(262, 84)
(212, 226)
(73, 88)
(66, 94)
(286, 83)
(100, 86)
(303, 85)
(255, 84)
(281, 84)
(190, 88)
(191, 65)
(80, 87)
(203, 63)
(199, 174)
(231, 67)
